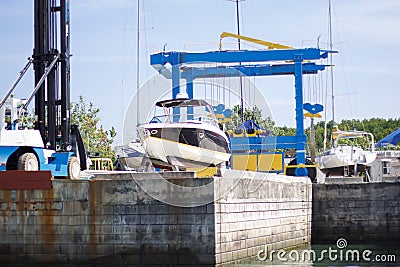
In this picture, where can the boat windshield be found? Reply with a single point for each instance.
(187, 114)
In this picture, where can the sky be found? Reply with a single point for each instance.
(104, 36)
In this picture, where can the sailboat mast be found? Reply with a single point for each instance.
(137, 62)
(331, 61)
(240, 78)
(332, 88)
(238, 22)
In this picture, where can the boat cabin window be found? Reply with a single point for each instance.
(190, 114)
(385, 167)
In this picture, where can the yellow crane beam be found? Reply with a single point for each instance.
(269, 45)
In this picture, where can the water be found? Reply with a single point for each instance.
(330, 255)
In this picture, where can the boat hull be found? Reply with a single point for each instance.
(131, 156)
(334, 161)
(185, 146)
(340, 171)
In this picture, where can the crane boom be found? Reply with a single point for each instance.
(269, 45)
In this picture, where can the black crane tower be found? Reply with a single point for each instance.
(51, 45)
(51, 61)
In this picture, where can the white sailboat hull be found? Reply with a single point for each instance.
(131, 156)
(336, 159)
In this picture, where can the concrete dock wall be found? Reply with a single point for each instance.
(102, 222)
(113, 220)
(363, 213)
(261, 211)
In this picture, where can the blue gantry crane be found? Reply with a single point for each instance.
(298, 62)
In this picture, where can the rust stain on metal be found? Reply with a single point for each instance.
(6, 196)
(25, 180)
(48, 231)
(94, 202)
(21, 209)
(19, 203)
(5, 207)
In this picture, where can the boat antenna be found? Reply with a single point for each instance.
(240, 63)
(137, 62)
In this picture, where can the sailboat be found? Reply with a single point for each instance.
(132, 156)
(343, 159)
(186, 136)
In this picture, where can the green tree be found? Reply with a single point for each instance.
(27, 120)
(254, 114)
(95, 138)
(284, 131)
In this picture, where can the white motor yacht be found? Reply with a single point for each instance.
(185, 136)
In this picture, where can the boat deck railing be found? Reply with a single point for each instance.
(186, 118)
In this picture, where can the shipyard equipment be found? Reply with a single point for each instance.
(258, 63)
(53, 145)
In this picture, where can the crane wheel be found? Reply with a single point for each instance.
(28, 162)
(74, 168)
(312, 172)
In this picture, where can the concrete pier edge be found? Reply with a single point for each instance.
(112, 220)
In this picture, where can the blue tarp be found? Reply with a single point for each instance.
(392, 138)
(250, 124)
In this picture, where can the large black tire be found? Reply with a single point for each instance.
(28, 162)
(312, 171)
(74, 168)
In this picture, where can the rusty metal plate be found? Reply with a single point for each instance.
(25, 180)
